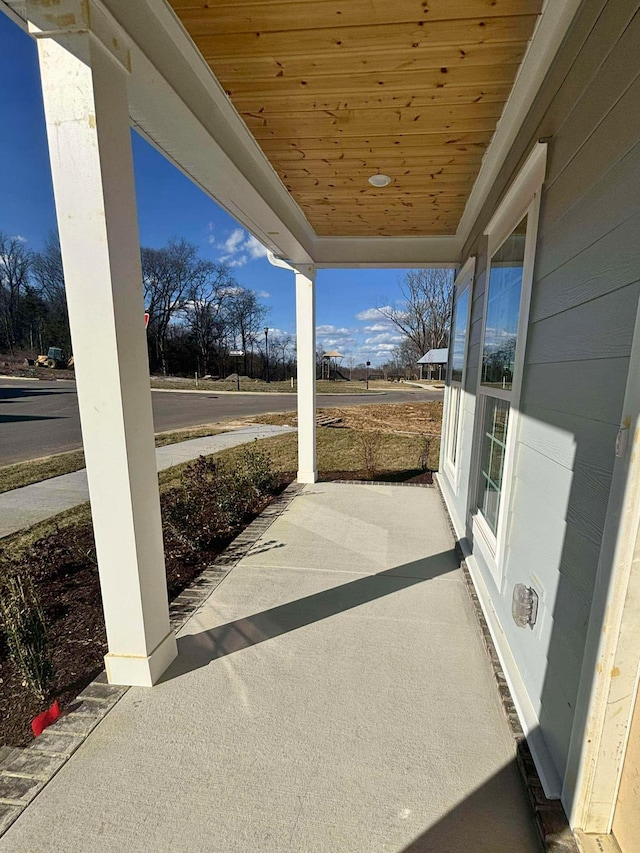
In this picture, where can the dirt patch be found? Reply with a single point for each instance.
(66, 576)
(15, 366)
(400, 418)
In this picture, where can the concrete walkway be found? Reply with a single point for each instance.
(332, 694)
(21, 508)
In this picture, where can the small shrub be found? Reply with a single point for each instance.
(214, 498)
(255, 467)
(26, 633)
(425, 452)
(369, 445)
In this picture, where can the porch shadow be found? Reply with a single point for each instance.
(11, 395)
(198, 650)
(480, 824)
(14, 419)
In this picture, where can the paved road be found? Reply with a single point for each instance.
(39, 418)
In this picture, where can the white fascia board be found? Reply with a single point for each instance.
(164, 91)
(392, 252)
(551, 28)
(16, 10)
(179, 106)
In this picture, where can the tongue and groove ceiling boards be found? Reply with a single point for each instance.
(335, 91)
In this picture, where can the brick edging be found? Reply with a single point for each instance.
(26, 772)
(550, 818)
(380, 483)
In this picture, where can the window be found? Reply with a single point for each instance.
(499, 346)
(459, 335)
(457, 362)
(494, 435)
(512, 236)
(503, 310)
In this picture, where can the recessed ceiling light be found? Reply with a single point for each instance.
(380, 180)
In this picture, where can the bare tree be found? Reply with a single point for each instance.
(424, 315)
(350, 363)
(282, 344)
(48, 278)
(15, 265)
(169, 276)
(246, 317)
(207, 311)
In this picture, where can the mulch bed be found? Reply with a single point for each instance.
(65, 572)
(417, 477)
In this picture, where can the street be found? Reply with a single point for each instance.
(41, 418)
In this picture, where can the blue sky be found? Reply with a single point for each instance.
(169, 205)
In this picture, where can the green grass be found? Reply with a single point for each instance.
(177, 435)
(213, 385)
(24, 473)
(342, 450)
(35, 470)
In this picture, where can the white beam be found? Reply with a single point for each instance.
(390, 252)
(87, 116)
(306, 356)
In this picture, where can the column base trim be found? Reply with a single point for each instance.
(141, 671)
(307, 477)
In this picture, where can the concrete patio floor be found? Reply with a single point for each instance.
(332, 694)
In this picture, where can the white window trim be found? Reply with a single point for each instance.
(464, 281)
(522, 198)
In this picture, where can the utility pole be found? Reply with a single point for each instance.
(368, 366)
(266, 351)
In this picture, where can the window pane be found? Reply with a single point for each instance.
(459, 336)
(494, 438)
(503, 310)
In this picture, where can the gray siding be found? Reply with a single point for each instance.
(583, 308)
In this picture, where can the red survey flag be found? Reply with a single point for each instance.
(40, 723)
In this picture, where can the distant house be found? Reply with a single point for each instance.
(436, 361)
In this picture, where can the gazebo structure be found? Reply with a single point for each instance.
(435, 359)
(498, 138)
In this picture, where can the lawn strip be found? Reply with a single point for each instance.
(36, 470)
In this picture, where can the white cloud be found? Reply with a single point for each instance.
(338, 343)
(254, 248)
(263, 294)
(238, 248)
(373, 313)
(385, 338)
(378, 327)
(231, 291)
(337, 337)
(333, 330)
(19, 238)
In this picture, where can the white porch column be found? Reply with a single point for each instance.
(84, 86)
(306, 352)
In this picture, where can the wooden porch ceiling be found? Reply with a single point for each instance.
(335, 91)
